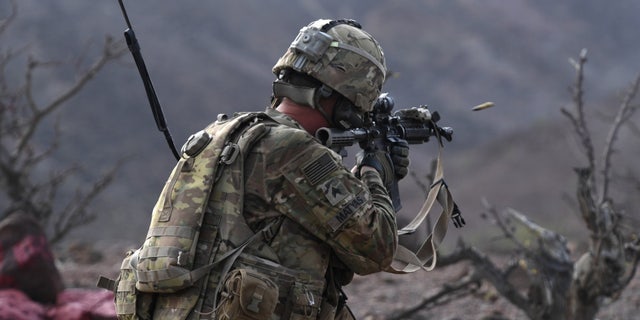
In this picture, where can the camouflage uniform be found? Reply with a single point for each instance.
(336, 223)
(298, 228)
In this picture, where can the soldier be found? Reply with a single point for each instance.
(305, 222)
(338, 222)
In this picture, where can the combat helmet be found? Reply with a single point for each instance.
(340, 56)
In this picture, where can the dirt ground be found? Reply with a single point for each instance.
(374, 297)
(386, 296)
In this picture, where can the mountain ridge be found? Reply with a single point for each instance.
(210, 58)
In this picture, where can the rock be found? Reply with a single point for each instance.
(80, 304)
(26, 261)
(73, 304)
(31, 287)
(15, 305)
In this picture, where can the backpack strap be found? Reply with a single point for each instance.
(229, 258)
(227, 199)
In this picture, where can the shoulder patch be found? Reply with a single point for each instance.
(319, 168)
(334, 190)
(346, 212)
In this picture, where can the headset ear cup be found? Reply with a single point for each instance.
(321, 92)
(357, 120)
(345, 115)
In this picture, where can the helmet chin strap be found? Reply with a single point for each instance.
(303, 95)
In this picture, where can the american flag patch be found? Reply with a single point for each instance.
(319, 168)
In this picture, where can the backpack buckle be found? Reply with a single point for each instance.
(229, 153)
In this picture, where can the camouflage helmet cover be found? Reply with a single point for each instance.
(344, 57)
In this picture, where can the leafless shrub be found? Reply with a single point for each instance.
(557, 287)
(21, 154)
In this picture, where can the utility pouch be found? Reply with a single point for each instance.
(247, 295)
(131, 304)
(306, 301)
(300, 297)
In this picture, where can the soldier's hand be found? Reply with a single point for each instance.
(399, 153)
(379, 160)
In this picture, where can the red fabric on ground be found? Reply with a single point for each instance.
(83, 304)
(31, 287)
(72, 304)
(26, 260)
(15, 305)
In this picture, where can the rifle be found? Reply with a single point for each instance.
(382, 127)
(416, 125)
(156, 109)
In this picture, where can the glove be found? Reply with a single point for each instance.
(379, 160)
(391, 166)
(400, 157)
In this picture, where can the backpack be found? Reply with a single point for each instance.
(167, 273)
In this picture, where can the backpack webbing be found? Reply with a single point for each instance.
(165, 267)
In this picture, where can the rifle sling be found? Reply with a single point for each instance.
(407, 261)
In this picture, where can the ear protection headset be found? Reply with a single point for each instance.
(345, 114)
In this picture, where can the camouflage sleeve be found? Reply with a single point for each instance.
(353, 216)
(367, 242)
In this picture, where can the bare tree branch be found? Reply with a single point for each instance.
(634, 127)
(77, 213)
(460, 288)
(111, 50)
(507, 229)
(4, 23)
(21, 116)
(625, 111)
(579, 119)
(557, 287)
(489, 271)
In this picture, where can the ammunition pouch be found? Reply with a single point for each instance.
(130, 303)
(247, 295)
(299, 297)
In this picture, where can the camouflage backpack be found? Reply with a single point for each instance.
(183, 245)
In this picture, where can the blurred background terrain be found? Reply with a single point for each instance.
(215, 57)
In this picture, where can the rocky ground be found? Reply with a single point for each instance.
(387, 296)
(375, 297)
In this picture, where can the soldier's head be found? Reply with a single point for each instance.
(332, 59)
